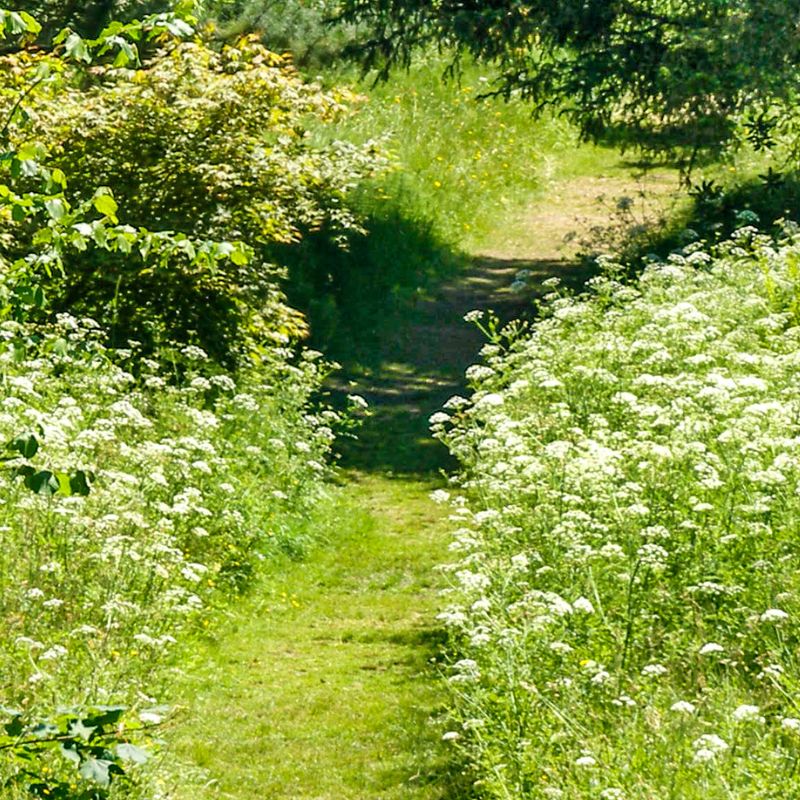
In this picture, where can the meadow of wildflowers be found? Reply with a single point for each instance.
(130, 503)
(626, 585)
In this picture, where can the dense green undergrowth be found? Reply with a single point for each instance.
(627, 549)
(145, 478)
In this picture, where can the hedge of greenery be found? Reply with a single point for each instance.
(206, 145)
(142, 477)
(627, 604)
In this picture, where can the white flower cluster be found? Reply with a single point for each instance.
(184, 481)
(626, 534)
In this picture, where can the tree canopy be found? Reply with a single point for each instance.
(86, 17)
(660, 73)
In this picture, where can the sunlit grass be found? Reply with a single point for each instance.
(463, 162)
(321, 685)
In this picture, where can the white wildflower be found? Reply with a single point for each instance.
(54, 653)
(745, 713)
(439, 496)
(711, 743)
(584, 605)
(774, 615)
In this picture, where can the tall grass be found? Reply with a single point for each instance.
(461, 165)
(462, 161)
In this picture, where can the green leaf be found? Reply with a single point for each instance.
(15, 727)
(132, 753)
(43, 482)
(31, 25)
(16, 22)
(106, 205)
(179, 29)
(75, 47)
(96, 769)
(79, 730)
(55, 208)
(26, 445)
(79, 484)
(106, 715)
(63, 484)
(58, 176)
(239, 257)
(126, 54)
(70, 754)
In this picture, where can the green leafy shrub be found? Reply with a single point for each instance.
(628, 551)
(208, 146)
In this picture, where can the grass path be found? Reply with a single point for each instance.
(322, 686)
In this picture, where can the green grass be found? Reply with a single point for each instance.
(463, 166)
(323, 683)
(464, 162)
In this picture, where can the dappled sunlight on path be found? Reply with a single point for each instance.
(419, 364)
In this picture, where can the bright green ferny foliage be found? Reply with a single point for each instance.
(628, 552)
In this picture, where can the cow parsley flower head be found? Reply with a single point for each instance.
(774, 615)
(746, 713)
(583, 605)
(709, 743)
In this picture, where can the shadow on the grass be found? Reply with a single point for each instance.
(436, 767)
(417, 362)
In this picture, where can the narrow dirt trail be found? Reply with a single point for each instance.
(324, 687)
